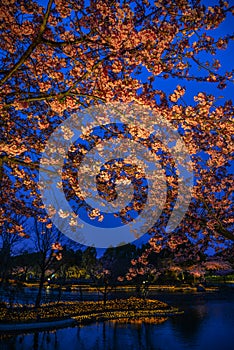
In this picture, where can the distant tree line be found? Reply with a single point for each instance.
(52, 263)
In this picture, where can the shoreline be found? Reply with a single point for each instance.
(43, 325)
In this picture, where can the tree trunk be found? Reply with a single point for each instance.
(60, 292)
(81, 293)
(105, 295)
(5, 262)
(41, 284)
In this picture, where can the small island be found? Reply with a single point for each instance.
(78, 313)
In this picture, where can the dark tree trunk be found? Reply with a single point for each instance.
(60, 292)
(81, 293)
(5, 263)
(105, 295)
(41, 284)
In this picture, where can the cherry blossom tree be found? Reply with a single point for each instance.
(47, 243)
(59, 59)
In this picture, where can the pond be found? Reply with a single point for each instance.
(207, 324)
(27, 295)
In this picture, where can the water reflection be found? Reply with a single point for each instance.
(189, 325)
(140, 321)
(206, 324)
(27, 295)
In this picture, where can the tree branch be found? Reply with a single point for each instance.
(66, 43)
(220, 228)
(30, 49)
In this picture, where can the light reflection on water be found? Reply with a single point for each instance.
(207, 324)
